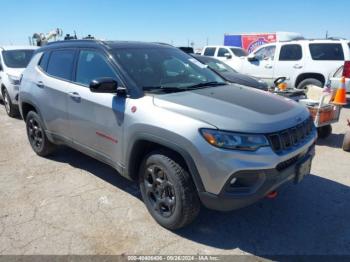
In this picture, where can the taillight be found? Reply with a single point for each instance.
(346, 69)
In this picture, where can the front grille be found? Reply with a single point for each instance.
(290, 137)
(285, 164)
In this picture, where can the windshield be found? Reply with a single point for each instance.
(17, 58)
(161, 68)
(239, 52)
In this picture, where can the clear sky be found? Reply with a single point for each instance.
(171, 21)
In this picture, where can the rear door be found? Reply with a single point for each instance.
(289, 63)
(95, 119)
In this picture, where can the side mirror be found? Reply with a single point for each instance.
(228, 55)
(251, 57)
(105, 85)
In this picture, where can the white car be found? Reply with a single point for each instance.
(343, 71)
(231, 55)
(13, 60)
(303, 62)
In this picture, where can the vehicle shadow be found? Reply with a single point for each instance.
(334, 140)
(76, 159)
(309, 218)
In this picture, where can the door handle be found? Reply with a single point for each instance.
(40, 84)
(297, 66)
(75, 96)
(268, 66)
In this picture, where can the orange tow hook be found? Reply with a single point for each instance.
(272, 194)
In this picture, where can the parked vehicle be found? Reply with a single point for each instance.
(231, 55)
(229, 74)
(13, 60)
(186, 49)
(303, 62)
(162, 118)
(344, 70)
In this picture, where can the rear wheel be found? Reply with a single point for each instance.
(324, 131)
(168, 190)
(346, 141)
(11, 109)
(309, 81)
(36, 135)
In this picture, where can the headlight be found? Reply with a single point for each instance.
(15, 80)
(230, 140)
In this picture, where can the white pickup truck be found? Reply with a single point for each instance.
(231, 55)
(303, 62)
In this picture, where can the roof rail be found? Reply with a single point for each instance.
(73, 40)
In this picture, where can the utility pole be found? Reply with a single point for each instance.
(327, 34)
(207, 41)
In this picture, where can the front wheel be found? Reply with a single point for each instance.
(36, 135)
(11, 109)
(168, 190)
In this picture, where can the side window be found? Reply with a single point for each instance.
(222, 52)
(44, 61)
(324, 51)
(290, 53)
(209, 51)
(61, 64)
(92, 65)
(266, 53)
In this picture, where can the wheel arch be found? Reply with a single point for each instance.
(304, 76)
(146, 144)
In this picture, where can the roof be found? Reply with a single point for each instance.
(224, 46)
(103, 44)
(18, 47)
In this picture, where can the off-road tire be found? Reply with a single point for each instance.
(324, 131)
(187, 204)
(36, 135)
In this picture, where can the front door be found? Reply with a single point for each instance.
(96, 120)
(263, 65)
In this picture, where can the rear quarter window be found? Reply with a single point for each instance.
(209, 51)
(327, 52)
(44, 61)
(61, 64)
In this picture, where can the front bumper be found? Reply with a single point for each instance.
(254, 185)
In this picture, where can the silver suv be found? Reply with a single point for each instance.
(160, 117)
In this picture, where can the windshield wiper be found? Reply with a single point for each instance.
(206, 84)
(163, 88)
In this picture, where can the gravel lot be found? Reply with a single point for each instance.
(73, 204)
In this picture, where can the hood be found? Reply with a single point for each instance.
(244, 80)
(235, 108)
(14, 71)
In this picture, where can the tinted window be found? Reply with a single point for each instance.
(222, 52)
(209, 51)
(326, 52)
(290, 53)
(92, 65)
(266, 53)
(239, 52)
(61, 64)
(17, 58)
(44, 60)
